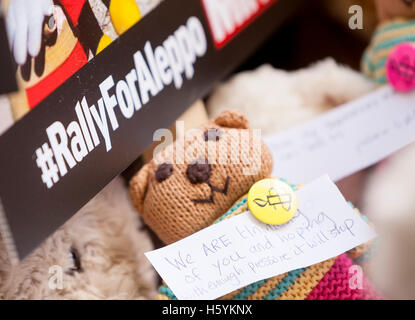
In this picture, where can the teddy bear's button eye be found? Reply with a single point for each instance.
(198, 172)
(164, 171)
(212, 134)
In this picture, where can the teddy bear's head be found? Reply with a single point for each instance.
(193, 181)
(390, 9)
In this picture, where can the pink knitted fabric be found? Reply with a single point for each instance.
(335, 284)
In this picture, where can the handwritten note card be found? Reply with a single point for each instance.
(241, 250)
(346, 139)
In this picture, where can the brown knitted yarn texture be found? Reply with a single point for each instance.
(179, 195)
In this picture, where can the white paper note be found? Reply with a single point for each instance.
(346, 139)
(241, 250)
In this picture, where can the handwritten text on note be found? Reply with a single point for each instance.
(241, 250)
(346, 139)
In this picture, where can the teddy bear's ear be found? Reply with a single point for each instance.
(232, 119)
(138, 187)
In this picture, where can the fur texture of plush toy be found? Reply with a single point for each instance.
(99, 254)
(274, 100)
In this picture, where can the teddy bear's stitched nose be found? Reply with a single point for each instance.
(198, 172)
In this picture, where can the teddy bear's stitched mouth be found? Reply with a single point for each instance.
(214, 189)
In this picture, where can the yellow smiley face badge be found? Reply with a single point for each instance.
(272, 201)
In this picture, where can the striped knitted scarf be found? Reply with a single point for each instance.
(386, 37)
(325, 280)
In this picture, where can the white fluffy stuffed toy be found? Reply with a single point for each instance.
(99, 253)
(275, 100)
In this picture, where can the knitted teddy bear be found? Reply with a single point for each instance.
(178, 195)
(397, 26)
(388, 199)
(178, 198)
